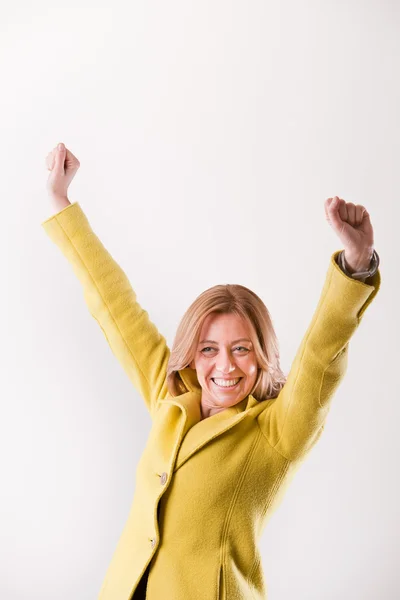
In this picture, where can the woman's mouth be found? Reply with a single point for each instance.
(226, 385)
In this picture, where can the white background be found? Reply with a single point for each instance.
(209, 135)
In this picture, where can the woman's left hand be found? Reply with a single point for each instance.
(353, 226)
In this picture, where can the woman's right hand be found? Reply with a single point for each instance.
(63, 166)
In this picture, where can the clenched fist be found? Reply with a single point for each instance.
(353, 227)
(63, 166)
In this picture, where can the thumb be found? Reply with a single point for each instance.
(59, 158)
(334, 217)
(340, 227)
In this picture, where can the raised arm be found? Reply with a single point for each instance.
(293, 422)
(133, 338)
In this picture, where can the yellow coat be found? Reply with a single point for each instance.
(205, 489)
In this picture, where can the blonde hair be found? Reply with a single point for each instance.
(225, 299)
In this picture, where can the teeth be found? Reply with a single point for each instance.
(229, 383)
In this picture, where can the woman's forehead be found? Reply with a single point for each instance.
(226, 325)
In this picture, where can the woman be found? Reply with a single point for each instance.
(229, 430)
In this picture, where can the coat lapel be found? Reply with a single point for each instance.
(197, 432)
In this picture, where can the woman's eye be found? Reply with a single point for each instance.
(237, 348)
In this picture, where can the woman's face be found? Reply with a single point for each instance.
(225, 353)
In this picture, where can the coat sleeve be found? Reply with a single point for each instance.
(133, 338)
(293, 422)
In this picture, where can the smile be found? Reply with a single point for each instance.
(232, 383)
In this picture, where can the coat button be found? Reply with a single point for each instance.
(153, 542)
(164, 478)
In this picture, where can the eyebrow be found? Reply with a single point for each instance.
(234, 341)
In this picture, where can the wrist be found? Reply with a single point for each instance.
(357, 263)
(59, 202)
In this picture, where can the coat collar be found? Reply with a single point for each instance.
(196, 432)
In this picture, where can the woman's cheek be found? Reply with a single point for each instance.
(252, 369)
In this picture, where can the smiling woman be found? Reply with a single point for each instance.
(226, 372)
(206, 487)
(224, 316)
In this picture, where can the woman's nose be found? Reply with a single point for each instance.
(225, 366)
